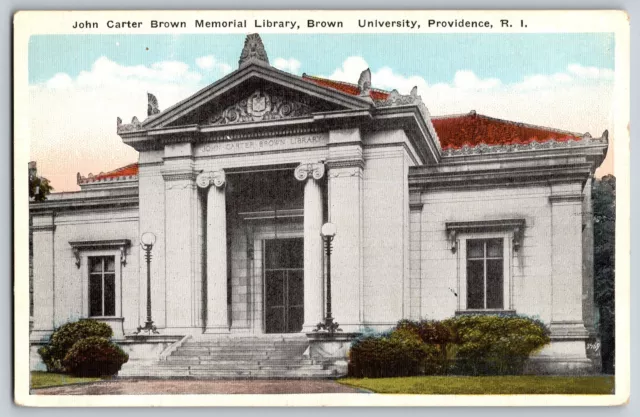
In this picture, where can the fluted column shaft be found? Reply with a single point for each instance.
(313, 245)
(217, 313)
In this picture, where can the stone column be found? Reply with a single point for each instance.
(217, 313)
(313, 245)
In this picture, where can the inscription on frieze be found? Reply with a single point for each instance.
(262, 145)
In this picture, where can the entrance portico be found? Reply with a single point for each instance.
(268, 230)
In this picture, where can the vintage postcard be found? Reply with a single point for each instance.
(321, 208)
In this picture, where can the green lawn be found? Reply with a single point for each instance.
(46, 379)
(469, 385)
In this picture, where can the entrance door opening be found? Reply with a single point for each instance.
(284, 285)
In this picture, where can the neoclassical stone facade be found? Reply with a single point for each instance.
(435, 216)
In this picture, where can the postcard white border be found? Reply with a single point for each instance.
(31, 23)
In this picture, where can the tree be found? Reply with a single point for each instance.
(604, 228)
(39, 187)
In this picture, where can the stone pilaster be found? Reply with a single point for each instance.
(567, 351)
(312, 173)
(43, 276)
(345, 201)
(566, 262)
(217, 309)
(181, 253)
(415, 259)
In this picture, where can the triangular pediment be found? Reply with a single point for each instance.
(254, 93)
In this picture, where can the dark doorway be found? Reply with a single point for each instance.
(284, 285)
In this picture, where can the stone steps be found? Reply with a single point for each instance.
(236, 358)
(236, 366)
(231, 374)
(174, 360)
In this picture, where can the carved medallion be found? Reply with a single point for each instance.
(260, 106)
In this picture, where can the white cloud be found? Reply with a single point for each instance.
(60, 80)
(578, 99)
(210, 63)
(350, 69)
(291, 65)
(72, 120)
(590, 72)
(467, 80)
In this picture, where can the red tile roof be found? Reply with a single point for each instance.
(131, 169)
(347, 88)
(469, 129)
(125, 171)
(473, 129)
(454, 131)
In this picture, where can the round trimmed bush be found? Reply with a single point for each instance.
(94, 356)
(66, 336)
(494, 344)
(396, 353)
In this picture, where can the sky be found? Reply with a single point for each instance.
(80, 84)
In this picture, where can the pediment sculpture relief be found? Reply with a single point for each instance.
(260, 106)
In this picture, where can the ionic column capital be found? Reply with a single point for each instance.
(217, 178)
(315, 170)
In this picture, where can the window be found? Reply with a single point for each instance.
(485, 274)
(102, 286)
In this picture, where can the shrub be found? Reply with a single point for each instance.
(436, 337)
(397, 353)
(94, 356)
(495, 345)
(66, 336)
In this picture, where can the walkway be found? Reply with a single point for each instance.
(190, 386)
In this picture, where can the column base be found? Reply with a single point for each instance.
(565, 355)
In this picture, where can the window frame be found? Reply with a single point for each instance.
(507, 276)
(103, 273)
(86, 310)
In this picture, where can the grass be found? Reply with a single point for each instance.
(469, 385)
(46, 379)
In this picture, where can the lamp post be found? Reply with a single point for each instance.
(146, 241)
(328, 232)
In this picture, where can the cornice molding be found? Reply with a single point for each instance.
(79, 246)
(179, 175)
(345, 163)
(566, 198)
(88, 203)
(515, 226)
(483, 149)
(429, 179)
(43, 228)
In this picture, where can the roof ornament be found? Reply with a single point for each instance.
(364, 82)
(253, 50)
(152, 105)
(414, 91)
(128, 127)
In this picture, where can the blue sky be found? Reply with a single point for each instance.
(81, 83)
(435, 57)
